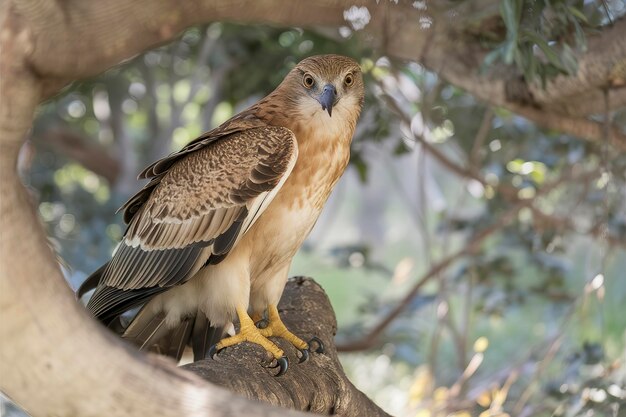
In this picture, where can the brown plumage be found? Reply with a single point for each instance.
(212, 235)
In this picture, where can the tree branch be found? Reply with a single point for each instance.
(459, 61)
(575, 126)
(75, 41)
(51, 339)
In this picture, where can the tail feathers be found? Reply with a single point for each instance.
(179, 340)
(148, 331)
(204, 336)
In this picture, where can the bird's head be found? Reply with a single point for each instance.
(326, 87)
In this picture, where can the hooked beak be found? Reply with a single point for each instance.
(327, 98)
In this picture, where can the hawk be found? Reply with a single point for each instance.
(211, 237)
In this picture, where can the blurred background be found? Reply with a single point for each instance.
(474, 260)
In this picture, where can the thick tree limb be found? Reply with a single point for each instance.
(318, 385)
(602, 66)
(72, 39)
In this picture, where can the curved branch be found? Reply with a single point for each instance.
(72, 39)
(50, 338)
(578, 127)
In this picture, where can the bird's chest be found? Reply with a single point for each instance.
(286, 223)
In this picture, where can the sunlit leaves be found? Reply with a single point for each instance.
(73, 175)
(534, 170)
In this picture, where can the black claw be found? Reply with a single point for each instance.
(305, 355)
(262, 324)
(213, 350)
(282, 364)
(320, 344)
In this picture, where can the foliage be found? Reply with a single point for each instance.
(542, 37)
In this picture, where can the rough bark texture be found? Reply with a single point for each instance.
(58, 359)
(318, 385)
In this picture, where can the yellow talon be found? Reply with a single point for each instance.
(275, 327)
(248, 332)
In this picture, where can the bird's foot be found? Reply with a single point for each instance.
(248, 332)
(275, 327)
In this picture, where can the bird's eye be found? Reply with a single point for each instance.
(349, 80)
(308, 80)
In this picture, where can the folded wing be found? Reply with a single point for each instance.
(194, 210)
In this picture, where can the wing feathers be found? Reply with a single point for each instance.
(226, 241)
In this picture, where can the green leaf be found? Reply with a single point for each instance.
(400, 148)
(577, 13)
(508, 53)
(491, 57)
(530, 67)
(511, 12)
(361, 166)
(581, 39)
(549, 52)
(569, 60)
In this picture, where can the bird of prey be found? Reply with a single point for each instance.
(211, 236)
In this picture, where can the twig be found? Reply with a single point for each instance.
(416, 212)
(547, 358)
(371, 338)
(479, 139)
